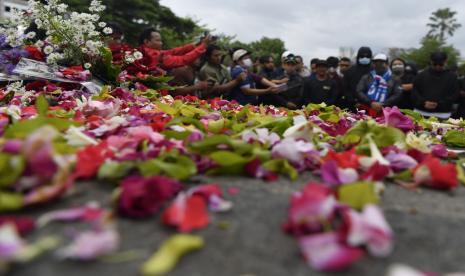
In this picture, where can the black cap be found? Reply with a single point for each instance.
(438, 57)
(364, 52)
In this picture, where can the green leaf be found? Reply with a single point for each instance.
(281, 166)
(166, 108)
(23, 128)
(455, 138)
(10, 201)
(216, 126)
(115, 170)
(11, 168)
(359, 194)
(173, 164)
(42, 105)
(227, 158)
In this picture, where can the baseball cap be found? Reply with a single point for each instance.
(381, 57)
(238, 54)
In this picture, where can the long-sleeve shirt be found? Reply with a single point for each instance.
(168, 59)
(394, 92)
(319, 91)
(440, 87)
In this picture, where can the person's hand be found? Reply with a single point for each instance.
(291, 105)
(208, 40)
(273, 90)
(203, 85)
(430, 105)
(377, 106)
(242, 77)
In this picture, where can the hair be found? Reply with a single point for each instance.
(210, 49)
(300, 57)
(345, 59)
(146, 34)
(314, 61)
(264, 59)
(332, 61)
(398, 59)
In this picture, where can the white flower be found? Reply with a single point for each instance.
(39, 44)
(48, 50)
(31, 35)
(87, 65)
(102, 24)
(75, 137)
(84, 50)
(107, 30)
(138, 55)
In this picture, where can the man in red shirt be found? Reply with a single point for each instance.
(155, 58)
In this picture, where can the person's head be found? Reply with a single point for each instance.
(411, 68)
(344, 64)
(321, 68)
(267, 62)
(242, 57)
(380, 62)
(284, 55)
(300, 63)
(333, 64)
(313, 63)
(117, 35)
(213, 54)
(438, 61)
(398, 66)
(151, 38)
(290, 65)
(364, 56)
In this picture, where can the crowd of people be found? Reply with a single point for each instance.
(369, 83)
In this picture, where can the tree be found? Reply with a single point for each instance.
(136, 15)
(421, 56)
(443, 23)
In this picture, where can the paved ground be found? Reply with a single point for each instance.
(429, 228)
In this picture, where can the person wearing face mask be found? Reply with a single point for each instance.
(400, 73)
(247, 92)
(352, 78)
(435, 89)
(301, 68)
(378, 88)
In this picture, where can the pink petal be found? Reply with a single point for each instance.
(370, 228)
(90, 245)
(325, 252)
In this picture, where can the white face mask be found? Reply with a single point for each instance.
(247, 63)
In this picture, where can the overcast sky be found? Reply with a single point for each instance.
(317, 28)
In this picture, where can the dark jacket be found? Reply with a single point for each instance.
(316, 91)
(293, 93)
(440, 87)
(352, 77)
(393, 95)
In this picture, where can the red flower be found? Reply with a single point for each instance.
(377, 172)
(187, 213)
(91, 158)
(142, 197)
(24, 225)
(36, 86)
(34, 53)
(344, 160)
(433, 174)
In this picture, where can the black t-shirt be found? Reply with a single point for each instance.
(317, 91)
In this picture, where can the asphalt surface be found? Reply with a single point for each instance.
(429, 229)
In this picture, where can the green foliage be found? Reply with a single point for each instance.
(358, 195)
(139, 14)
(442, 24)
(421, 56)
